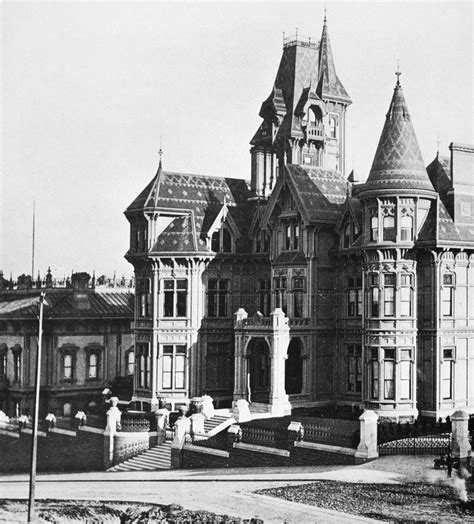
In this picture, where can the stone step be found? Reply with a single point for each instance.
(158, 457)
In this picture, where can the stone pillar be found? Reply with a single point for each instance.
(162, 417)
(280, 340)
(241, 410)
(460, 422)
(240, 371)
(197, 423)
(207, 406)
(181, 427)
(234, 434)
(114, 416)
(367, 448)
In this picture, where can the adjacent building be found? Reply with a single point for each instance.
(87, 344)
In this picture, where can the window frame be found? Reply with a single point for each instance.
(175, 298)
(173, 354)
(218, 293)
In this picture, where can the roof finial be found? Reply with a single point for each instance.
(437, 145)
(160, 152)
(398, 73)
(325, 12)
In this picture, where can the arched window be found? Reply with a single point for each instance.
(294, 368)
(221, 240)
(67, 409)
(298, 292)
(226, 241)
(333, 127)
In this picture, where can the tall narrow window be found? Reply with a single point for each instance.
(279, 286)
(296, 236)
(298, 292)
(143, 365)
(389, 295)
(389, 231)
(3, 360)
(354, 368)
(405, 374)
(174, 366)
(447, 295)
(287, 238)
(333, 127)
(144, 297)
(447, 365)
(264, 296)
(175, 298)
(374, 295)
(67, 367)
(374, 229)
(406, 228)
(93, 364)
(130, 362)
(217, 298)
(347, 236)
(405, 295)
(17, 367)
(374, 374)
(354, 296)
(389, 373)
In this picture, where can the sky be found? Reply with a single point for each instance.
(90, 90)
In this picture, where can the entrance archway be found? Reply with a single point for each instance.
(259, 370)
(294, 368)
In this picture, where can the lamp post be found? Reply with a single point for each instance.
(34, 444)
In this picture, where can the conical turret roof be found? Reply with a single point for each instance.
(398, 166)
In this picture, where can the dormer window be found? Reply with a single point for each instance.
(347, 236)
(221, 241)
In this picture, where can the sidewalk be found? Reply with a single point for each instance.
(225, 491)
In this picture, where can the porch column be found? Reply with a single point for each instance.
(240, 371)
(280, 340)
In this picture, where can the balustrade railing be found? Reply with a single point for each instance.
(260, 436)
(333, 432)
(134, 424)
(205, 441)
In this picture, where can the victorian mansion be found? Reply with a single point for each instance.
(306, 288)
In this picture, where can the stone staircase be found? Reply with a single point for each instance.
(217, 423)
(155, 458)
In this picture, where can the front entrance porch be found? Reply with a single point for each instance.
(261, 349)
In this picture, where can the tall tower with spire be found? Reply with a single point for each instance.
(396, 199)
(304, 118)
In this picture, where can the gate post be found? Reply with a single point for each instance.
(460, 422)
(367, 448)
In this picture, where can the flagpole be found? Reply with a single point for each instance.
(33, 246)
(34, 444)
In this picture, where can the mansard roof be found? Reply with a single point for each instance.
(196, 200)
(61, 304)
(398, 165)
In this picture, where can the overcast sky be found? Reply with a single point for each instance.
(89, 88)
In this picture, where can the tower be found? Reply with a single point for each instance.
(304, 118)
(396, 199)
